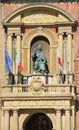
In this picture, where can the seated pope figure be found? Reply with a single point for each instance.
(39, 60)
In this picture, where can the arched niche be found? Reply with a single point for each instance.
(44, 42)
(47, 38)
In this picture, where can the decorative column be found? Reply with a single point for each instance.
(67, 119)
(58, 119)
(7, 120)
(73, 116)
(69, 56)
(2, 119)
(16, 119)
(69, 51)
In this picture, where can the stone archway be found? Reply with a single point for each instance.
(38, 121)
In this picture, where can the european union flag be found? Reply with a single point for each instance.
(7, 61)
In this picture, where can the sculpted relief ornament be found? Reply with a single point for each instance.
(36, 85)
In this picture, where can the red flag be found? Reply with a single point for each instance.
(59, 61)
(19, 64)
(20, 67)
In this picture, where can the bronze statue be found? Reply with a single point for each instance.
(39, 60)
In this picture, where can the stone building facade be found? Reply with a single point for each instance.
(30, 100)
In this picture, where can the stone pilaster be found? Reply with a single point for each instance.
(58, 119)
(16, 119)
(2, 120)
(69, 51)
(7, 120)
(69, 57)
(73, 116)
(67, 114)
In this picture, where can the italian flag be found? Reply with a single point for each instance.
(17, 61)
(59, 62)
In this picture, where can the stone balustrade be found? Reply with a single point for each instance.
(39, 84)
(53, 89)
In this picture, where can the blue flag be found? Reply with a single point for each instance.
(7, 61)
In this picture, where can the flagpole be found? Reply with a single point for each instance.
(59, 73)
(14, 54)
(15, 73)
(58, 69)
(67, 73)
(59, 76)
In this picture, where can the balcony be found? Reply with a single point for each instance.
(36, 84)
(38, 91)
